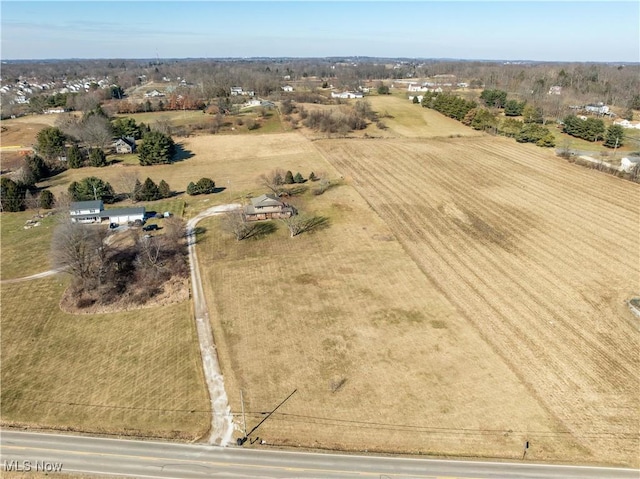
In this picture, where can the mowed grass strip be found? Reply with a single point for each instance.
(413, 121)
(538, 254)
(24, 251)
(132, 373)
(380, 360)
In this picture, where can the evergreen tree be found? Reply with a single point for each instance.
(191, 189)
(136, 190)
(205, 186)
(298, 178)
(91, 188)
(74, 157)
(164, 189)
(38, 168)
(532, 114)
(97, 157)
(47, 200)
(51, 142)
(312, 176)
(148, 192)
(614, 137)
(156, 148)
(288, 178)
(513, 108)
(11, 195)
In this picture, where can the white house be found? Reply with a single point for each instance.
(413, 87)
(237, 90)
(86, 211)
(555, 90)
(628, 124)
(628, 164)
(153, 94)
(54, 110)
(122, 216)
(599, 109)
(347, 94)
(287, 88)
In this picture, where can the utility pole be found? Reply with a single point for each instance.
(244, 419)
(242, 440)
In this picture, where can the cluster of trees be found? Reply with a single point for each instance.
(91, 188)
(21, 191)
(203, 186)
(103, 273)
(529, 130)
(342, 122)
(449, 105)
(591, 129)
(149, 191)
(494, 98)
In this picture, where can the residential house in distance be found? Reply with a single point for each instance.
(237, 90)
(598, 109)
(628, 124)
(555, 90)
(287, 88)
(125, 145)
(627, 164)
(266, 207)
(347, 94)
(86, 211)
(153, 94)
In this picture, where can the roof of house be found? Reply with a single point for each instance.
(86, 205)
(265, 200)
(139, 210)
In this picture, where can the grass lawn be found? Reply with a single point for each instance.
(411, 120)
(24, 251)
(130, 373)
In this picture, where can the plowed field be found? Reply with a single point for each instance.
(537, 255)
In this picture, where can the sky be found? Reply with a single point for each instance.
(595, 31)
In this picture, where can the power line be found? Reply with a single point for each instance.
(369, 425)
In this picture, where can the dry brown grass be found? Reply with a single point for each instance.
(413, 121)
(132, 373)
(537, 255)
(381, 360)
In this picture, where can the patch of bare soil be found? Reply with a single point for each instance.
(175, 290)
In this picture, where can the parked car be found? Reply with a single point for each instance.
(150, 227)
(113, 226)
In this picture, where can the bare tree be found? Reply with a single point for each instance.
(175, 230)
(96, 131)
(273, 180)
(80, 249)
(126, 183)
(298, 224)
(233, 222)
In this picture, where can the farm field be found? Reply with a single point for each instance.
(539, 257)
(380, 359)
(413, 121)
(129, 373)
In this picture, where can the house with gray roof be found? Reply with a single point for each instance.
(86, 211)
(266, 207)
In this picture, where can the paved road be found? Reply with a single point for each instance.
(221, 418)
(147, 459)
